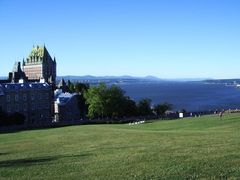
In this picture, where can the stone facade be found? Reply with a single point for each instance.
(33, 100)
(29, 90)
(40, 65)
(66, 107)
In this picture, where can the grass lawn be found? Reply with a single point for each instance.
(191, 148)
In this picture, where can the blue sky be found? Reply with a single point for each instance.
(164, 38)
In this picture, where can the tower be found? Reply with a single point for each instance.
(16, 73)
(40, 65)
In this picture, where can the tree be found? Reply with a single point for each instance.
(81, 89)
(109, 102)
(144, 107)
(160, 109)
(17, 118)
(183, 111)
(71, 87)
(95, 99)
(130, 107)
(11, 119)
(114, 102)
(3, 118)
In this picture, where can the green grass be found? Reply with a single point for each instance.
(190, 148)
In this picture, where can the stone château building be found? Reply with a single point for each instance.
(40, 65)
(33, 100)
(29, 90)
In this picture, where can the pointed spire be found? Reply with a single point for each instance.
(44, 49)
(62, 85)
(23, 62)
(19, 67)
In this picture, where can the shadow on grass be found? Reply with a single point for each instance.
(37, 160)
(1, 153)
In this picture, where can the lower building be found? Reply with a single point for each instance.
(33, 100)
(66, 107)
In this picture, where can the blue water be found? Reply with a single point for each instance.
(192, 96)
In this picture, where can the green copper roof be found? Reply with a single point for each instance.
(38, 55)
(37, 51)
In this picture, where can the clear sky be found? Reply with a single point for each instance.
(164, 38)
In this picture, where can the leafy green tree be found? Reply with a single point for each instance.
(71, 87)
(144, 107)
(81, 87)
(130, 107)
(109, 102)
(160, 109)
(95, 99)
(114, 102)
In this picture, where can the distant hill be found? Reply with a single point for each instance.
(108, 79)
(127, 78)
(121, 79)
(223, 81)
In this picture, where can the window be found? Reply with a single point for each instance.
(8, 98)
(46, 95)
(39, 96)
(32, 96)
(24, 97)
(16, 97)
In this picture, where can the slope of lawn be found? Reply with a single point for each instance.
(204, 147)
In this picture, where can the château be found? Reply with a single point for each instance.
(40, 65)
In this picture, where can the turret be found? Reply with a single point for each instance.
(23, 62)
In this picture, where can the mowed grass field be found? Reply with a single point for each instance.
(191, 148)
